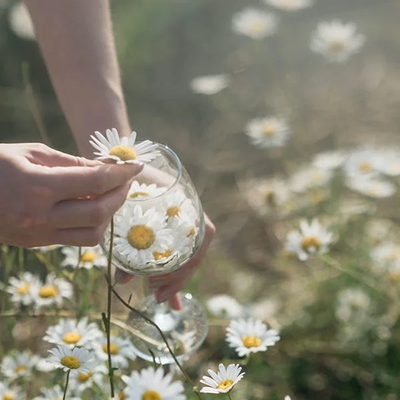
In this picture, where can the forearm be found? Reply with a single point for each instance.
(76, 40)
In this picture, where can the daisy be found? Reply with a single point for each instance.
(363, 163)
(17, 364)
(254, 23)
(329, 160)
(224, 306)
(76, 360)
(21, 288)
(250, 336)
(372, 187)
(336, 40)
(309, 239)
(52, 292)
(177, 205)
(386, 255)
(209, 84)
(390, 163)
(268, 132)
(142, 191)
(289, 5)
(121, 350)
(139, 234)
(264, 309)
(21, 22)
(6, 393)
(123, 150)
(72, 333)
(351, 301)
(89, 257)
(152, 384)
(309, 177)
(80, 382)
(223, 380)
(54, 393)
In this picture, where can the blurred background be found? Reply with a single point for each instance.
(325, 352)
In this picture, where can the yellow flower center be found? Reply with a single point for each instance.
(316, 177)
(337, 46)
(141, 237)
(192, 231)
(226, 384)
(257, 27)
(8, 396)
(310, 242)
(48, 291)
(124, 153)
(251, 341)
(114, 349)
(269, 129)
(365, 167)
(71, 362)
(392, 256)
(159, 256)
(151, 395)
(20, 368)
(23, 289)
(82, 378)
(270, 197)
(72, 338)
(173, 211)
(89, 256)
(137, 194)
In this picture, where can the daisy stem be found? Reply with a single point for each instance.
(66, 385)
(151, 322)
(229, 396)
(108, 327)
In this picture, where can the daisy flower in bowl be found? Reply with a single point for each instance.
(223, 380)
(123, 150)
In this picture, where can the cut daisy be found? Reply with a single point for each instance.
(72, 333)
(254, 23)
(75, 360)
(336, 40)
(6, 393)
(177, 205)
(311, 238)
(209, 84)
(373, 187)
(268, 132)
(52, 292)
(289, 5)
(80, 382)
(123, 150)
(16, 365)
(55, 393)
(250, 336)
(121, 350)
(224, 306)
(89, 257)
(21, 288)
(152, 384)
(139, 234)
(223, 380)
(141, 191)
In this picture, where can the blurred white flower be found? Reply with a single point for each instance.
(90, 257)
(72, 333)
(311, 238)
(336, 40)
(53, 393)
(268, 132)
(309, 177)
(329, 160)
(224, 306)
(18, 364)
(372, 187)
(43, 365)
(223, 380)
(248, 336)
(209, 84)
(52, 292)
(121, 350)
(363, 163)
(386, 255)
(152, 384)
(289, 5)
(350, 302)
(75, 360)
(264, 309)
(81, 381)
(390, 163)
(254, 23)
(21, 22)
(379, 230)
(8, 393)
(123, 150)
(21, 288)
(142, 191)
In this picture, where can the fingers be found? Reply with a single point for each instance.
(175, 302)
(122, 277)
(79, 236)
(75, 182)
(86, 213)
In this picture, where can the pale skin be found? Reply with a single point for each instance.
(77, 43)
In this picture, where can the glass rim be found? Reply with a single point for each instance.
(177, 179)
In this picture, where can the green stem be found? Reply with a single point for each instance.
(108, 327)
(229, 396)
(66, 385)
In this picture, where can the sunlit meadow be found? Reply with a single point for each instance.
(285, 114)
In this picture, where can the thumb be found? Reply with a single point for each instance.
(122, 277)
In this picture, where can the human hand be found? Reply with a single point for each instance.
(49, 197)
(167, 286)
